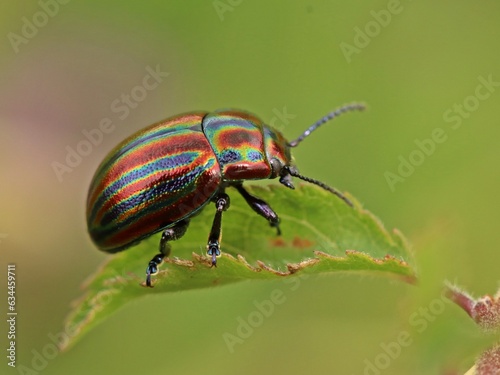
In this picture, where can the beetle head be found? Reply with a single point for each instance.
(277, 151)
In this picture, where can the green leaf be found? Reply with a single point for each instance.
(321, 234)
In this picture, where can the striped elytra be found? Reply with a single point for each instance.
(160, 177)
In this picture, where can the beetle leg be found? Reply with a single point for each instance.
(261, 207)
(169, 234)
(213, 246)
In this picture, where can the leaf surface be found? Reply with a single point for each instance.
(321, 234)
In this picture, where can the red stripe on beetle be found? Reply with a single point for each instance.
(144, 155)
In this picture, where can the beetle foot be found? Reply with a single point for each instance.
(276, 224)
(214, 252)
(152, 268)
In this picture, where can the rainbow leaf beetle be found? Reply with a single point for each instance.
(160, 177)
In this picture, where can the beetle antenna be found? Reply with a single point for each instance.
(322, 185)
(328, 117)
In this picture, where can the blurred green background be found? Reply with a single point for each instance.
(416, 61)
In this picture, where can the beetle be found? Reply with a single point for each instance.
(163, 175)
